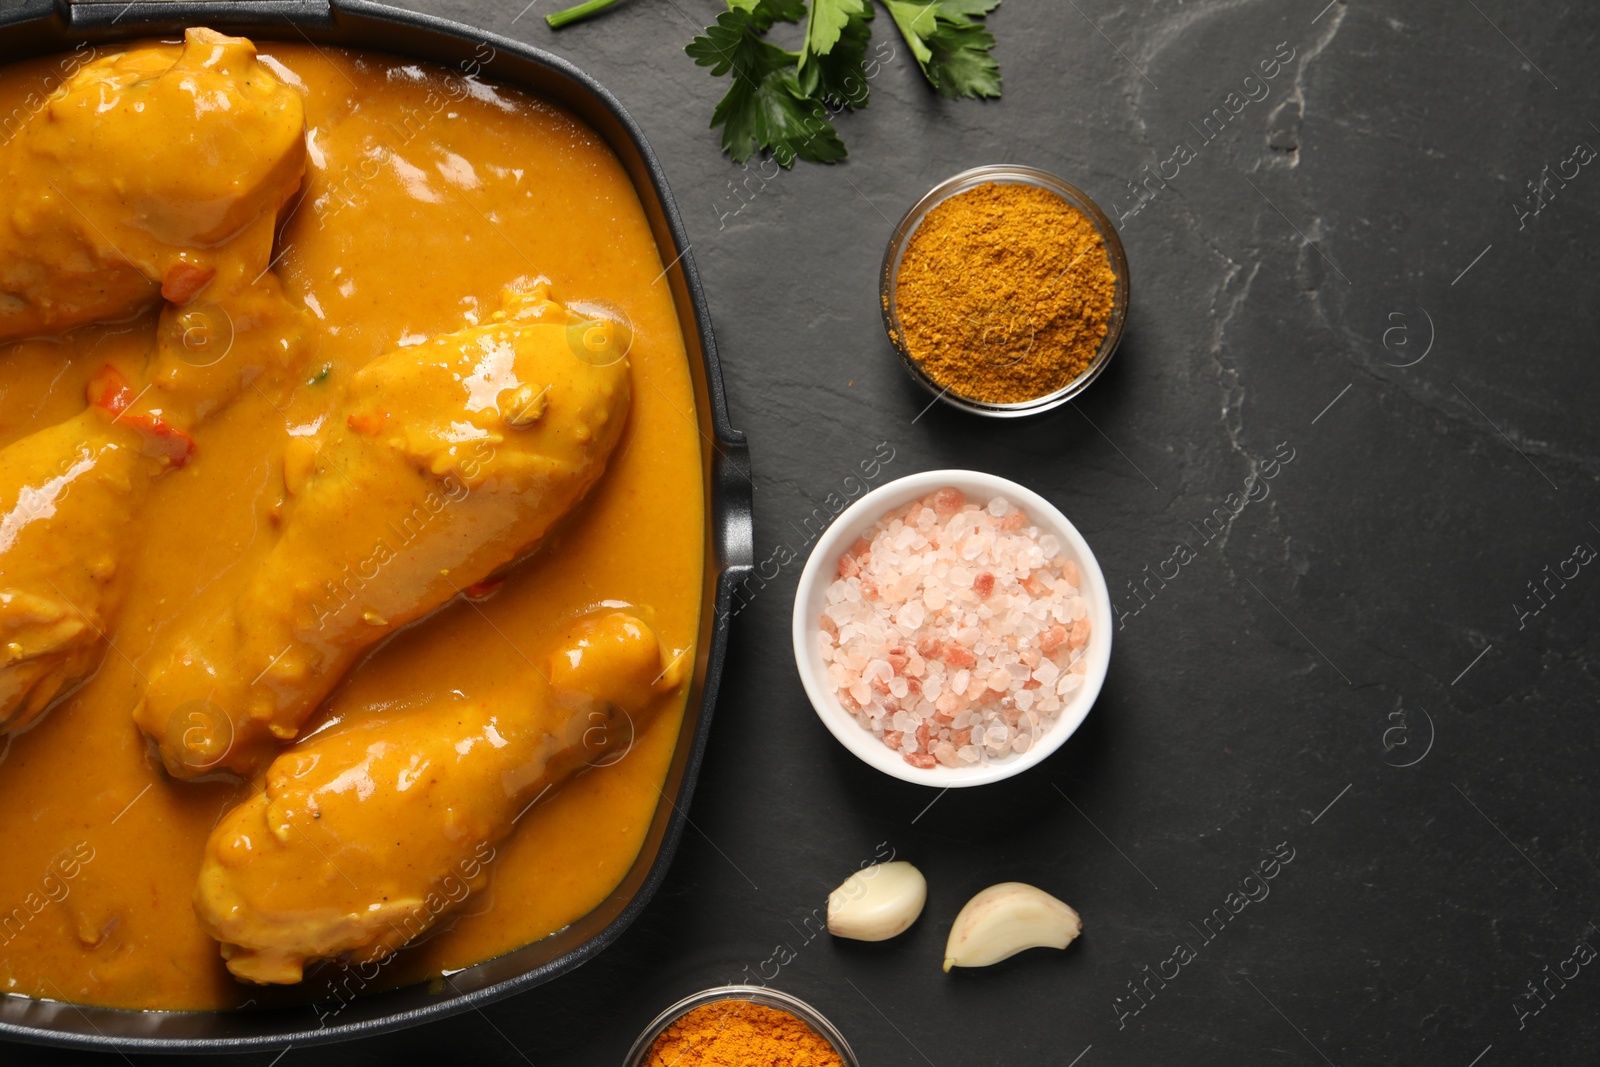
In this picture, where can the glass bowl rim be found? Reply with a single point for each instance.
(754, 994)
(965, 181)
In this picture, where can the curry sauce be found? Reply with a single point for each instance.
(427, 192)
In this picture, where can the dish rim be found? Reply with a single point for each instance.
(963, 182)
(37, 28)
(859, 517)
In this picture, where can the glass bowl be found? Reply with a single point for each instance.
(752, 994)
(1003, 174)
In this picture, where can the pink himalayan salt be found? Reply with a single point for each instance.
(954, 632)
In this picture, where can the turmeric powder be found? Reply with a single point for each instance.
(1004, 293)
(739, 1033)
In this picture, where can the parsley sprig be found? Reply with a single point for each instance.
(784, 102)
(951, 43)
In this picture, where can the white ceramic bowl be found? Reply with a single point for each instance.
(822, 566)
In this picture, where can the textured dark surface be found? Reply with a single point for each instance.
(1249, 699)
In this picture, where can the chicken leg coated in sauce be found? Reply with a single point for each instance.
(66, 493)
(367, 834)
(121, 188)
(447, 461)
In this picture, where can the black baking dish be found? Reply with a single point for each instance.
(39, 27)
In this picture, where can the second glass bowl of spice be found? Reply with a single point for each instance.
(740, 1026)
(1005, 290)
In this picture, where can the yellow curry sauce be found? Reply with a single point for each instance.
(426, 193)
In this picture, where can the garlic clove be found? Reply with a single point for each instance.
(877, 902)
(1005, 919)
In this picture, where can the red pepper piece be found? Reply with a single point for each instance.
(184, 281)
(367, 423)
(479, 590)
(110, 391)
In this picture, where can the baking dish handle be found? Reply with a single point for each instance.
(735, 490)
(91, 15)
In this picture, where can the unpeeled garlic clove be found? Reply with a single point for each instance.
(1003, 920)
(877, 902)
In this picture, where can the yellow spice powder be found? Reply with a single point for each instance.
(737, 1033)
(1004, 293)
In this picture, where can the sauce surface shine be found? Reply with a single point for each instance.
(427, 192)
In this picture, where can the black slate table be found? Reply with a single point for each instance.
(1384, 665)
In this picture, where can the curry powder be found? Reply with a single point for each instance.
(737, 1033)
(1004, 293)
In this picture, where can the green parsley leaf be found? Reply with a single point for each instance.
(827, 21)
(765, 107)
(968, 8)
(950, 44)
(834, 57)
